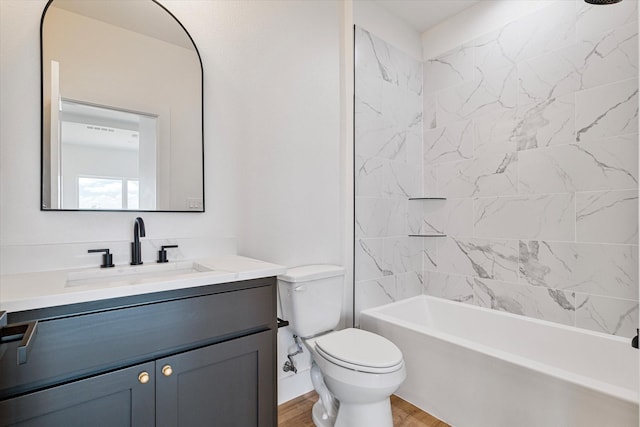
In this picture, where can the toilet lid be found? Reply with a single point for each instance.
(360, 350)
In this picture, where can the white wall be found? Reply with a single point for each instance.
(283, 85)
(23, 226)
(275, 152)
(272, 133)
(390, 28)
(288, 80)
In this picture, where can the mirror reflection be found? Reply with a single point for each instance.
(122, 108)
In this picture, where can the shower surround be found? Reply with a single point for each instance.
(530, 132)
(388, 170)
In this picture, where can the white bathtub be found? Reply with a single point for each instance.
(475, 367)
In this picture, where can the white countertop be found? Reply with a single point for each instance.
(50, 288)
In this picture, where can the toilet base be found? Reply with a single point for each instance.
(319, 416)
(355, 415)
(365, 415)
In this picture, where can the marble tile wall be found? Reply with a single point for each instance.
(531, 133)
(388, 170)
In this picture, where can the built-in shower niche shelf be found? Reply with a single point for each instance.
(428, 198)
(428, 234)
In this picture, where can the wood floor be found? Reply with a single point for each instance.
(297, 413)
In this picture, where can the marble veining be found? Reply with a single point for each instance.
(429, 111)
(607, 217)
(373, 293)
(591, 19)
(496, 132)
(378, 58)
(403, 254)
(610, 315)
(541, 303)
(610, 270)
(369, 259)
(453, 287)
(495, 90)
(430, 254)
(549, 216)
(489, 259)
(457, 217)
(497, 49)
(482, 176)
(388, 129)
(607, 57)
(380, 217)
(531, 133)
(371, 176)
(387, 289)
(453, 217)
(548, 29)
(447, 143)
(607, 111)
(607, 164)
(592, 61)
(449, 69)
(546, 77)
(549, 122)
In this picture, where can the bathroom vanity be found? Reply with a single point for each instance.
(195, 355)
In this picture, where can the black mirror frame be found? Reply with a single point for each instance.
(42, 208)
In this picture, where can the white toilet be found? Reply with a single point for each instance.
(353, 371)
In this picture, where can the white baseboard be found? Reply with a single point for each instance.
(293, 386)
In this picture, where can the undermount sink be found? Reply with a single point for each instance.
(131, 275)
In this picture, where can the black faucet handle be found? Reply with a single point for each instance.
(162, 253)
(107, 258)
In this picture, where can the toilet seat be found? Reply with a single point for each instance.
(360, 351)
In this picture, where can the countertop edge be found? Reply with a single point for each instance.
(22, 292)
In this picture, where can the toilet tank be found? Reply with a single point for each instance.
(311, 298)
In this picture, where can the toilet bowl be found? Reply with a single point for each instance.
(353, 371)
(361, 370)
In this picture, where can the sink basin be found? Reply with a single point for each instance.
(145, 273)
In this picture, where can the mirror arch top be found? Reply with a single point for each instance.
(122, 108)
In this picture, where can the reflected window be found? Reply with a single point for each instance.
(133, 194)
(99, 193)
(114, 151)
(108, 193)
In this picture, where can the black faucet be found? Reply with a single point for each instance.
(138, 231)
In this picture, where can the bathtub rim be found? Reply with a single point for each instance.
(622, 393)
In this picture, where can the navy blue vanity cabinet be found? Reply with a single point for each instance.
(201, 356)
(114, 399)
(219, 385)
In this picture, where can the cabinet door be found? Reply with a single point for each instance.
(231, 384)
(114, 399)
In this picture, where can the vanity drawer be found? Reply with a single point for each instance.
(79, 346)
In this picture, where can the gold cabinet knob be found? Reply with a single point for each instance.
(167, 370)
(143, 377)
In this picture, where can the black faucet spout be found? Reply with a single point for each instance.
(138, 231)
(138, 228)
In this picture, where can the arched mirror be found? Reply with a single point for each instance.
(121, 108)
